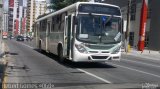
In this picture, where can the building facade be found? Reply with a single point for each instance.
(34, 9)
(5, 21)
(1, 10)
(152, 33)
(22, 17)
(17, 14)
(29, 15)
(10, 17)
(41, 8)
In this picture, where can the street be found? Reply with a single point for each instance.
(27, 65)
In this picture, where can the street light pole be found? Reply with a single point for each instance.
(127, 27)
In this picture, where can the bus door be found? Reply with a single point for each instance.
(68, 35)
(47, 36)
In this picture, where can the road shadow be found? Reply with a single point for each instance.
(10, 53)
(71, 64)
(75, 84)
(13, 53)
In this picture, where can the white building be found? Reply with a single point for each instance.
(41, 8)
(5, 21)
(34, 9)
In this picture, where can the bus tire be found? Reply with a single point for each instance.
(60, 54)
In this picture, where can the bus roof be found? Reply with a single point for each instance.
(75, 5)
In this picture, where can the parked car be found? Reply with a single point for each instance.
(4, 37)
(20, 38)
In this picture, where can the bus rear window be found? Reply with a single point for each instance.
(100, 9)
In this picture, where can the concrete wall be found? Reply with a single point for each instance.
(153, 23)
(154, 36)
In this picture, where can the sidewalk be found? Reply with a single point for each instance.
(148, 54)
(3, 61)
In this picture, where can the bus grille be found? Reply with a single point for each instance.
(93, 51)
(105, 51)
(99, 57)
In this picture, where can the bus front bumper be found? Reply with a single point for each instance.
(95, 57)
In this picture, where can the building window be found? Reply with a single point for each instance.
(149, 9)
(133, 10)
(133, 17)
(131, 38)
(53, 24)
(146, 39)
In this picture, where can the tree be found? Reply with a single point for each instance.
(59, 4)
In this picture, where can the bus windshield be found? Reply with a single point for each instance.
(98, 29)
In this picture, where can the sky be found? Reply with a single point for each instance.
(5, 4)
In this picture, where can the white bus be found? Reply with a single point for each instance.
(82, 32)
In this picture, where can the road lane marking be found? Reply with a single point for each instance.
(27, 45)
(136, 70)
(141, 63)
(93, 75)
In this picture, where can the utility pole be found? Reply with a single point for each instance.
(127, 27)
(1, 20)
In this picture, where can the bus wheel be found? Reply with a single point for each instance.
(60, 54)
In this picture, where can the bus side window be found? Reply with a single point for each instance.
(53, 24)
(60, 22)
(52, 29)
(44, 25)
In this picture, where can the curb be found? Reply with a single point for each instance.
(3, 53)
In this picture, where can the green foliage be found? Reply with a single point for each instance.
(59, 4)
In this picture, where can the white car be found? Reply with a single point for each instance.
(5, 37)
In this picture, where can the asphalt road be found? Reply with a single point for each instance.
(27, 65)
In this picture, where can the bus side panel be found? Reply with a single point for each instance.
(53, 43)
(54, 36)
(56, 33)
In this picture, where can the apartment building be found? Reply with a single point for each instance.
(10, 17)
(34, 9)
(30, 15)
(41, 8)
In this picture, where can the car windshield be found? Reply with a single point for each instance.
(98, 29)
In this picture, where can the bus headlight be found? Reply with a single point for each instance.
(81, 48)
(116, 50)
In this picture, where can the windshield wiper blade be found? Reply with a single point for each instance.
(108, 20)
